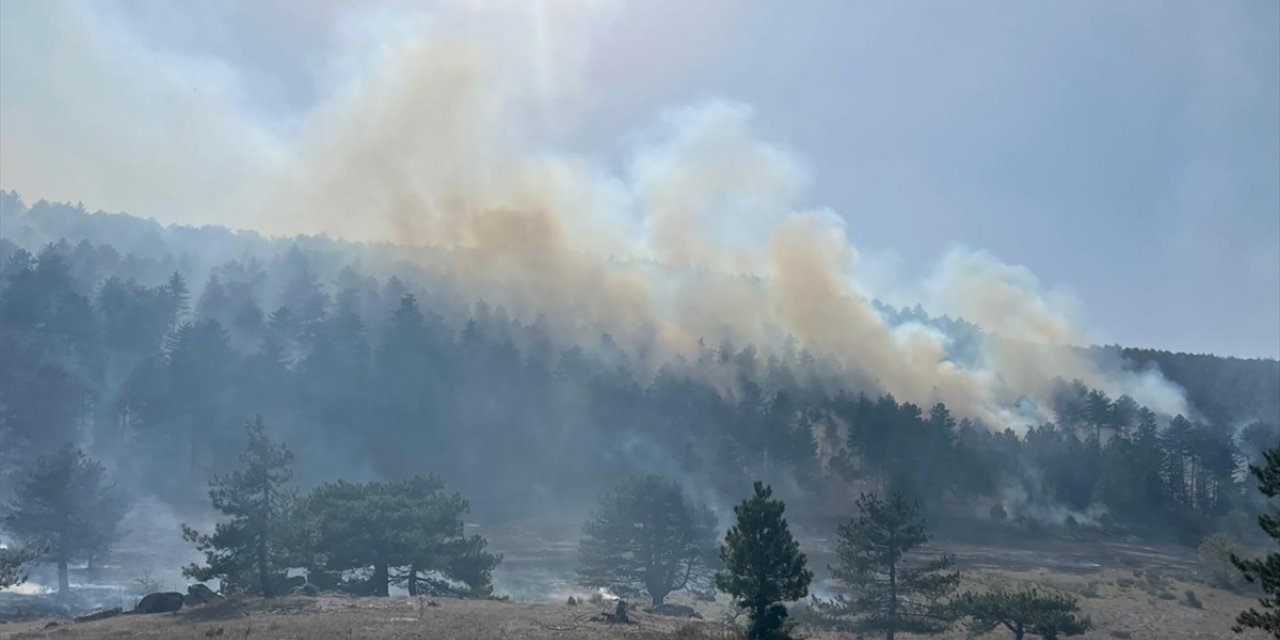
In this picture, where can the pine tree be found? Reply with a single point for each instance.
(647, 536)
(176, 298)
(248, 549)
(66, 508)
(412, 525)
(893, 588)
(11, 562)
(763, 564)
(1028, 611)
(1266, 570)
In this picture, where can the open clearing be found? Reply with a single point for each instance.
(1129, 589)
(1121, 606)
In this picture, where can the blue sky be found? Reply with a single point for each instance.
(1128, 152)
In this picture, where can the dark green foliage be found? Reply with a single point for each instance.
(892, 442)
(66, 508)
(763, 564)
(1216, 568)
(1226, 390)
(11, 562)
(647, 537)
(1264, 571)
(249, 549)
(1023, 612)
(410, 525)
(407, 371)
(465, 560)
(893, 587)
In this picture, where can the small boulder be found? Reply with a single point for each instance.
(307, 589)
(162, 602)
(98, 614)
(200, 594)
(282, 584)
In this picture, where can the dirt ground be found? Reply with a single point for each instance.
(1121, 604)
(335, 617)
(1130, 589)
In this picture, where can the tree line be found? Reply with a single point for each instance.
(647, 537)
(150, 373)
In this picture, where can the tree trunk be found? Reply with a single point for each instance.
(413, 579)
(64, 585)
(264, 568)
(264, 573)
(380, 580)
(893, 602)
(1017, 633)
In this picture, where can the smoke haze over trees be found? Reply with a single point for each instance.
(697, 312)
(147, 344)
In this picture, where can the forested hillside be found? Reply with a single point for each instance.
(151, 346)
(1229, 390)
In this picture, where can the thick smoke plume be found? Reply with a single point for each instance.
(458, 135)
(705, 234)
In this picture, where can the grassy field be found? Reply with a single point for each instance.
(1130, 589)
(1122, 603)
(333, 617)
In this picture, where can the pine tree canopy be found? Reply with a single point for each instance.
(763, 564)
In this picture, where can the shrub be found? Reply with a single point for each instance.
(1193, 601)
(1215, 562)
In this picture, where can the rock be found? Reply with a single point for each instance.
(573, 602)
(98, 614)
(162, 602)
(676, 611)
(306, 590)
(51, 624)
(200, 594)
(619, 615)
(281, 584)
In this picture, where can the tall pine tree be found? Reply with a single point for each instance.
(763, 564)
(894, 589)
(1265, 570)
(247, 550)
(66, 508)
(647, 536)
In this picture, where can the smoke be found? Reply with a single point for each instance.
(456, 133)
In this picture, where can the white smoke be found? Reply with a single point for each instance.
(451, 134)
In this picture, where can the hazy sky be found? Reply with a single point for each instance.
(1128, 152)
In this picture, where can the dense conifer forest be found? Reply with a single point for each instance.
(151, 346)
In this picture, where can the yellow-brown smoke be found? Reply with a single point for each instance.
(705, 234)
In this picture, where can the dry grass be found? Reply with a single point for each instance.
(337, 617)
(1123, 608)
(1131, 592)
